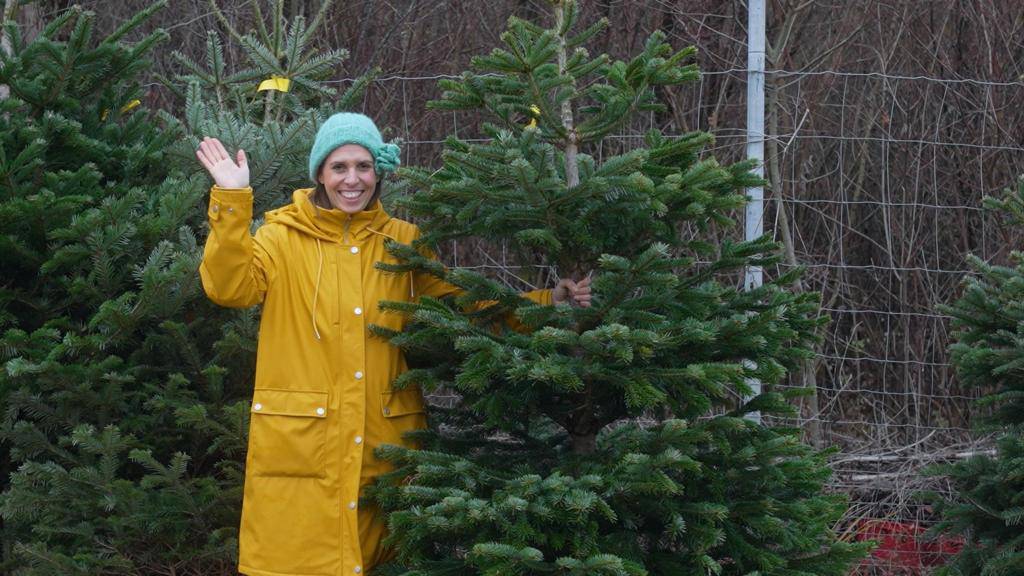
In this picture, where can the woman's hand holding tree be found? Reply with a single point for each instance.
(575, 293)
(226, 173)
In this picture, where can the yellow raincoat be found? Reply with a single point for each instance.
(323, 398)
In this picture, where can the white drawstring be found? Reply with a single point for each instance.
(316, 291)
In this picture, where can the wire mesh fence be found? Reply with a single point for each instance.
(886, 252)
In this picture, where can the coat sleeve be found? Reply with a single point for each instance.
(236, 267)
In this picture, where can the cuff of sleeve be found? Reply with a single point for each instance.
(542, 297)
(229, 202)
(229, 194)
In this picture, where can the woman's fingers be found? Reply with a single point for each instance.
(581, 297)
(202, 158)
(581, 292)
(577, 293)
(582, 287)
(214, 153)
(208, 153)
(213, 150)
(222, 152)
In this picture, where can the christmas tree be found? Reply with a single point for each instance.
(619, 438)
(125, 391)
(988, 505)
(271, 108)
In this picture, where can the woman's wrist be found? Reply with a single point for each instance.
(233, 184)
(232, 189)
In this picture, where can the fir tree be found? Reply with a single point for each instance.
(988, 354)
(275, 126)
(612, 439)
(125, 391)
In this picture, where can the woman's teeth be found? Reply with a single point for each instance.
(351, 195)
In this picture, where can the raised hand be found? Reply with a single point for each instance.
(227, 173)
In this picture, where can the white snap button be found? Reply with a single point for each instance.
(358, 311)
(354, 250)
(358, 570)
(231, 210)
(216, 208)
(387, 411)
(359, 439)
(257, 406)
(351, 505)
(359, 375)
(320, 411)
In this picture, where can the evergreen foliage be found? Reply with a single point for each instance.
(276, 128)
(988, 354)
(613, 439)
(124, 390)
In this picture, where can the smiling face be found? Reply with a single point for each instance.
(349, 178)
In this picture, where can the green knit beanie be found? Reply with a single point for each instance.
(351, 128)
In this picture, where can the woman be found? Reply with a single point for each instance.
(322, 400)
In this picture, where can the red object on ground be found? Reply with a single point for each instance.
(902, 548)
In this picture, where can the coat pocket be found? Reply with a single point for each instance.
(288, 433)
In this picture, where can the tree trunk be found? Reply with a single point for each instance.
(572, 169)
(584, 443)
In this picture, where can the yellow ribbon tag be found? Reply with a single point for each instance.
(279, 83)
(125, 108)
(536, 114)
